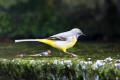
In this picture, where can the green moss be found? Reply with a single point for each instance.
(56, 69)
(84, 50)
(37, 68)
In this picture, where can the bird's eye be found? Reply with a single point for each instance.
(80, 33)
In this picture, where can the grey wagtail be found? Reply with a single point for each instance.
(61, 41)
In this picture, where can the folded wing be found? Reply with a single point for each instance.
(57, 38)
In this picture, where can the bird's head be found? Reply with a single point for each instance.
(77, 32)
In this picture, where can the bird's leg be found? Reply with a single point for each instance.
(72, 55)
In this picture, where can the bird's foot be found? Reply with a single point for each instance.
(73, 55)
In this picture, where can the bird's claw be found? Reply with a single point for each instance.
(73, 55)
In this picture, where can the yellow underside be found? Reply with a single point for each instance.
(63, 47)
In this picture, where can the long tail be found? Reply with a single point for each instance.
(24, 40)
(46, 41)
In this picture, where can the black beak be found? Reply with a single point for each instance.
(83, 35)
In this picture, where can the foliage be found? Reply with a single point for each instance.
(36, 18)
(48, 69)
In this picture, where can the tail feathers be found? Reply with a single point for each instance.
(24, 40)
(46, 41)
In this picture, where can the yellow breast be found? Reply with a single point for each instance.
(62, 45)
(72, 43)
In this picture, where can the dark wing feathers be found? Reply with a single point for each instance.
(61, 36)
(57, 38)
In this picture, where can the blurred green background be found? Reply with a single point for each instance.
(99, 19)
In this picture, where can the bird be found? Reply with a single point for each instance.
(61, 41)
